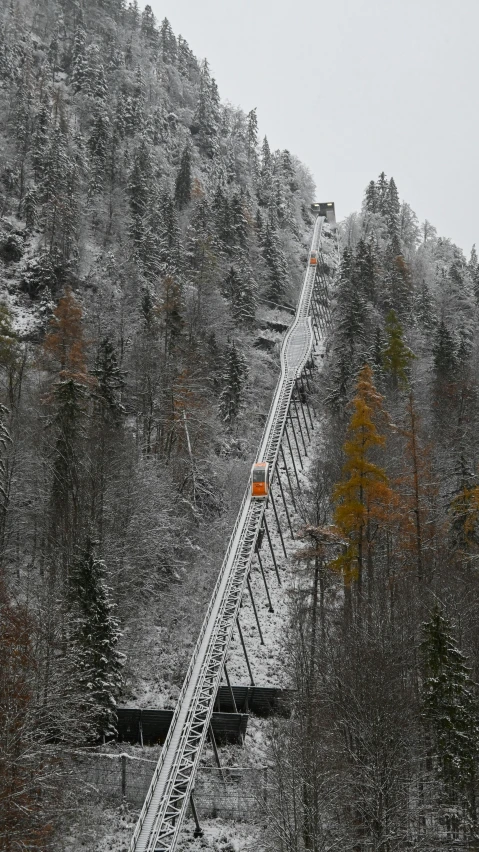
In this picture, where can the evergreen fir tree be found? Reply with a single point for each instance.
(30, 207)
(265, 184)
(171, 234)
(397, 356)
(276, 270)
(224, 220)
(168, 45)
(183, 180)
(351, 309)
(148, 26)
(239, 289)
(99, 146)
(444, 351)
(79, 72)
(424, 306)
(207, 117)
(95, 83)
(363, 275)
(234, 379)
(41, 139)
(139, 187)
(371, 198)
(473, 267)
(110, 382)
(252, 135)
(450, 712)
(96, 634)
(238, 219)
(391, 211)
(382, 188)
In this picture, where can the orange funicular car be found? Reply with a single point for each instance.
(260, 479)
(313, 258)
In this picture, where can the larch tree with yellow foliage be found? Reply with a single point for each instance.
(363, 498)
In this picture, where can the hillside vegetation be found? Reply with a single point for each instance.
(150, 251)
(382, 750)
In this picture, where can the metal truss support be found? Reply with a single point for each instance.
(228, 682)
(298, 418)
(245, 651)
(285, 504)
(300, 430)
(250, 590)
(317, 322)
(296, 439)
(215, 751)
(306, 373)
(288, 478)
(198, 832)
(271, 549)
(315, 325)
(277, 521)
(291, 455)
(305, 398)
(298, 397)
(264, 581)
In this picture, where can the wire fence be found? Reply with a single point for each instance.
(230, 792)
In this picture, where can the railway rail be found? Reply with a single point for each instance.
(173, 780)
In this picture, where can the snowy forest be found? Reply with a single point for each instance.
(152, 248)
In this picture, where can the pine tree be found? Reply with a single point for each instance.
(234, 379)
(183, 180)
(397, 356)
(96, 635)
(450, 712)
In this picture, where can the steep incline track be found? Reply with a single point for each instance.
(173, 780)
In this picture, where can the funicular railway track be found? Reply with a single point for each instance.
(172, 784)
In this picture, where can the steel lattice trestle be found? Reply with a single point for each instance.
(173, 780)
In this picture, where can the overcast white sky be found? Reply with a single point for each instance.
(353, 87)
